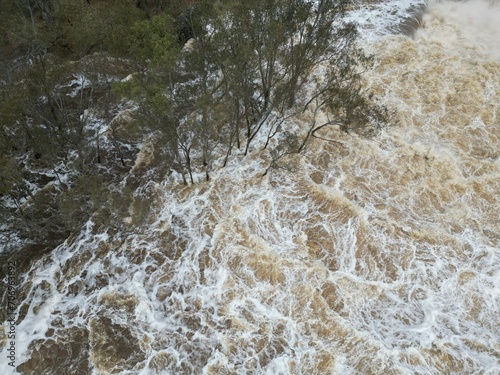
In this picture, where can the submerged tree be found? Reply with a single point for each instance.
(268, 51)
(279, 58)
(251, 66)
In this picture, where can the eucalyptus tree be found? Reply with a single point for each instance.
(252, 65)
(268, 51)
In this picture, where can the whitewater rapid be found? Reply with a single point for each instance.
(362, 256)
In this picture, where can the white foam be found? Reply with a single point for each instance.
(387, 262)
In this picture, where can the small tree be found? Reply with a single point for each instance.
(267, 52)
(257, 59)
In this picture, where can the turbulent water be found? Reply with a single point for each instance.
(363, 256)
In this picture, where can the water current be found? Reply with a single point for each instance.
(363, 256)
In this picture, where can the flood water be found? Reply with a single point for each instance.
(362, 256)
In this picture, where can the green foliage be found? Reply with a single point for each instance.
(249, 60)
(153, 41)
(97, 26)
(31, 25)
(250, 65)
(75, 26)
(10, 175)
(87, 194)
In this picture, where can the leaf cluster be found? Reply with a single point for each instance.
(250, 61)
(210, 79)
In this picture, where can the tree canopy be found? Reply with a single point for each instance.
(206, 78)
(249, 66)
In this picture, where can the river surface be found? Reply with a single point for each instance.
(362, 256)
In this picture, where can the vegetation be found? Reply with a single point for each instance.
(206, 78)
